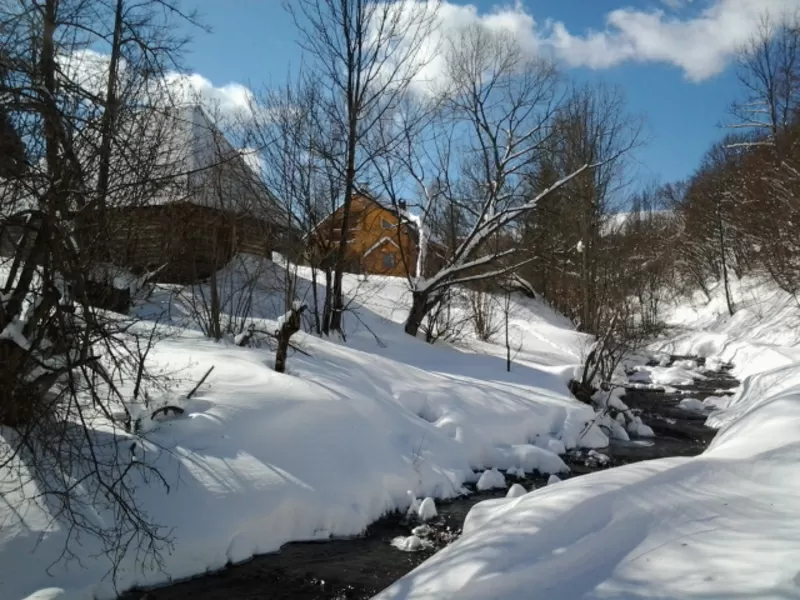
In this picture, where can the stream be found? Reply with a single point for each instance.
(358, 568)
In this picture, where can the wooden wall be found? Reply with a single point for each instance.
(373, 235)
(191, 240)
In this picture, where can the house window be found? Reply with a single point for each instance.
(386, 224)
(388, 261)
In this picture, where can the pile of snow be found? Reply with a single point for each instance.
(515, 491)
(490, 480)
(693, 405)
(723, 524)
(259, 459)
(410, 544)
(515, 472)
(637, 428)
(427, 510)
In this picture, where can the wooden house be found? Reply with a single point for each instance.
(198, 206)
(381, 240)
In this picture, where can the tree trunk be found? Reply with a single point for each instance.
(419, 308)
(315, 297)
(508, 340)
(724, 261)
(291, 325)
(327, 307)
(107, 130)
(353, 86)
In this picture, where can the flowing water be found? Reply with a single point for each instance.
(360, 567)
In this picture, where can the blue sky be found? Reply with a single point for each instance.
(671, 57)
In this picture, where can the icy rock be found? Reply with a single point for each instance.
(556, 447)
(413, 507)
(515, 491)
(427, 510)
(716, 402)
(422, 531)
(515, 472)
(553, 479)
(410, 544)
(617, 404)
(692, 405)
(636, 427)
(490, 480)
(617, 429)
(685, 364)
(594, 437)
(601, 458)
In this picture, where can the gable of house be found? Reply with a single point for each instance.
(381, 240)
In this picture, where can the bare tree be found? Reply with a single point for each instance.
(768, 69)
(365, 55)
(287, 131)
(67, 368)
(494, 123)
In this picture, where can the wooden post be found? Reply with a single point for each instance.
(290, 326)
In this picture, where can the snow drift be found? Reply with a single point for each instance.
(721, 525)
(260, 458)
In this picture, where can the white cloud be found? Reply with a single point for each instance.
(453, 18)
(90, 70)
(701, 43)
(232, 99)
(676, 4)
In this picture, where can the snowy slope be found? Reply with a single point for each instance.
(260, 458)
(722, 525)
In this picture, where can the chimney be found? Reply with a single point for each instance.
(401, 204)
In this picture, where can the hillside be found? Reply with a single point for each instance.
(260, 458)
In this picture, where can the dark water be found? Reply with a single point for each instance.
(361, 567)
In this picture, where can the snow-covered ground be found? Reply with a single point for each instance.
(261, 458)
(722, 525)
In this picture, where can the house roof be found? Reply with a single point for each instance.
(183, 147)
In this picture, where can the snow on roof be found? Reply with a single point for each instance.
(184, 149)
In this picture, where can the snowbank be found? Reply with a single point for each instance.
(260, 458)
(724, 524)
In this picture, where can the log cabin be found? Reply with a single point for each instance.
(201, 204)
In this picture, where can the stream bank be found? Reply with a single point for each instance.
(360, 567)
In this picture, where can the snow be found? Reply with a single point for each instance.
(422, 531)
(410, 544)
(490, 480)
(427, 509)
(553, 479)
(661, 376)
(259, 459)
(515, 491)
(723, 524)
(714, 402)
(693, 405)
(635, 427)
